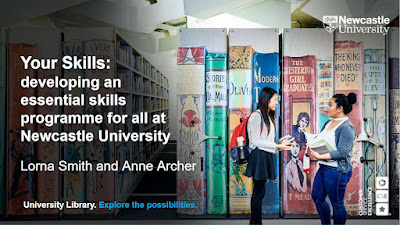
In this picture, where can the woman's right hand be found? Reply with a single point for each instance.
(285, 145)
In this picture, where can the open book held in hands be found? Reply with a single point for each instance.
(318, 144)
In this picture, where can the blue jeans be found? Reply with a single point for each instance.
(330, 182)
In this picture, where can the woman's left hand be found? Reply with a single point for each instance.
(315, 154)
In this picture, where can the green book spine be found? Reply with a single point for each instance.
(216, 126)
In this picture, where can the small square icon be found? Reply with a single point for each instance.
(382, 209)
(382, 196)
(382, 183)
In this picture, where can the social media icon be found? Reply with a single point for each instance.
(382, 183)
(382, 209)
(382, 196)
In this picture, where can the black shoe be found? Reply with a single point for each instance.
(255, 222)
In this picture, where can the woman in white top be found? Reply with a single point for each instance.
(335, 167)
(261, 131)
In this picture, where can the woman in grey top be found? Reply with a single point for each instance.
(335, 168)
(261, 138)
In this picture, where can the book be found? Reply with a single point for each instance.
(318, 144)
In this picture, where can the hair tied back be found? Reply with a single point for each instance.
(352, 98)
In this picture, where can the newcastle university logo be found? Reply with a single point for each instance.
(330, 23)
(351, 25)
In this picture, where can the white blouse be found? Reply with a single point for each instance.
(329, 136)
(265, 141)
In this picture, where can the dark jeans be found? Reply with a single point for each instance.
(256, 201)
(330, 182)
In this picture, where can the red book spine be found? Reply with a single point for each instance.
(299, 115)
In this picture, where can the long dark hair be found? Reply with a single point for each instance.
(263, 101)
(345, 101)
